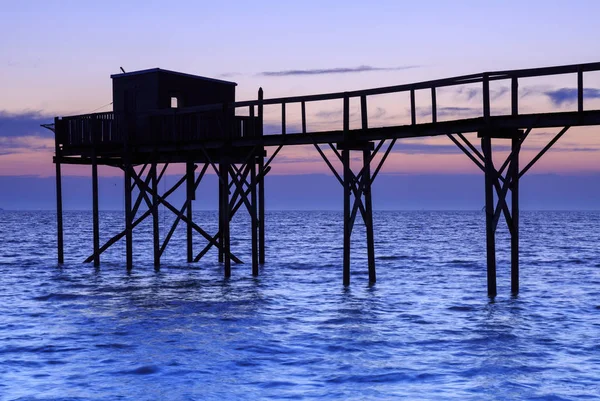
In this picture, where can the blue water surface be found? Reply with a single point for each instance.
(426, 330)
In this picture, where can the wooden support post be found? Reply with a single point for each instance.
(128, 217)
(514, 239)
(155, 227)
(368, 218)
(366, 182)
(486, 146)
(347, 212)
(254, 216)
(220, 240)
(224, 214)
(191, 195)
(261, 181)
(95, 212)
(59, 208)
(347, 190)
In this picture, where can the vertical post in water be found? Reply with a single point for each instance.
(225, 244)
(191, 195)
(128, 217)
(347, 232)
(254, 215)
(347, 183)
(366, 179)
(221, 191)
(59, 208)
(95, 211)
(514, 239)
(261, 183)
(486, 146)
(369, 215)
(155, 227)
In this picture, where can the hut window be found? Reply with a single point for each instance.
(174, 102)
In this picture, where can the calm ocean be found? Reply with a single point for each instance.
(425, 331)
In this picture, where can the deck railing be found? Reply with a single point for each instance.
(208, 122)
(158, 128)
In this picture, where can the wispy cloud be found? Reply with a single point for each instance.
(470, 93)
(569, 95)
(451, 112)
(24, 124)
(25, 144)
(335, 70)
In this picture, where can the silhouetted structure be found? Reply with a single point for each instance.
(164, 117)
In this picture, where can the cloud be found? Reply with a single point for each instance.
(25, 144)
(336, 70)
(470, 93)
(569, 95)
(451, 112)
(24, 124)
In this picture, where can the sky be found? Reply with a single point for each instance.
(56, 58)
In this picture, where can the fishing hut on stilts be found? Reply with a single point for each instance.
(164, 118)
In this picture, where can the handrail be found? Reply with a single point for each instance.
(180, 119)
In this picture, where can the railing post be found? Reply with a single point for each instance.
(433, 106)
(580, 90)
(413, 111)
(486, 97)
(514, 91)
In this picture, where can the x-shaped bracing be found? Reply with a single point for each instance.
(358, 187)
(501, 181)
(241, 191)
(504, 177)
(146, 190)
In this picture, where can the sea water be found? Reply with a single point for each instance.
(426, 330)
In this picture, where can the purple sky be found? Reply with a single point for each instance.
(57, 57)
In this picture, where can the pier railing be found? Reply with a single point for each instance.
(484, 79)
(197, 124)
(156, 128)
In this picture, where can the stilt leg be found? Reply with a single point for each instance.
(347, 229)
(368, 218)
(59, 210)
(261, 211)
(486, 145)
(191, 195)
(95, 212)
(514, 239)
(128, 218)
(224, 171)
(221, 210)
(155, 227)
(254, 216)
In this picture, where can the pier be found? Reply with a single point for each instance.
(162, 118)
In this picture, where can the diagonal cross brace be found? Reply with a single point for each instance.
(259, 178)
(183, 217)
